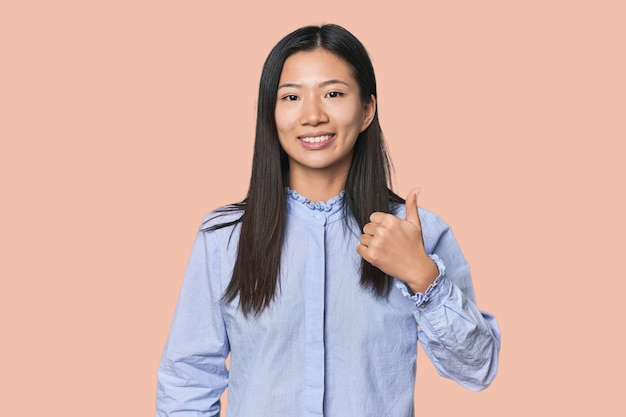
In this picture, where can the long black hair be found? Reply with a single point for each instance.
(255, 275)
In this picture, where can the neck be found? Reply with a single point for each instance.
(317, 187)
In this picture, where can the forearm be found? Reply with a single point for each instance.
(460, 340)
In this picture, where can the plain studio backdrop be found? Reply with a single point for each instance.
(123, 122)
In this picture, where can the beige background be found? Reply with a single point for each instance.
(123, 122)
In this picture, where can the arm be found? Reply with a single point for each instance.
(192, 374)
(461, 341)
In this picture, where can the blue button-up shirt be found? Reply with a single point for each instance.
(325, 346)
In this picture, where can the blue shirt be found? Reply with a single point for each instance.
(325, 346)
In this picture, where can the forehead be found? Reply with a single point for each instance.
(315, 65)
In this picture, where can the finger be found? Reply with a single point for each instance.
(378, 216)
(412, 215)
(362, 251)
(370, 229)
(366, 240)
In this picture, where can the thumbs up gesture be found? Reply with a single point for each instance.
(396, 246)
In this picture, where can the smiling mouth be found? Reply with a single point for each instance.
(316, 139)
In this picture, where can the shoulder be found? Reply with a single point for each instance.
(433, 226)
(225, 217)
(431, 219)
(428, 218)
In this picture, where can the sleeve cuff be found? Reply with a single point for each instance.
(419, 299)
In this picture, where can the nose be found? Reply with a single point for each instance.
(312, 112)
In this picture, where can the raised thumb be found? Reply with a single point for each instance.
(411, 207)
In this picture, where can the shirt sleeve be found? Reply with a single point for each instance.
(192, 373)
(462, 342)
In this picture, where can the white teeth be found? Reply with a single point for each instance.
(315, 139)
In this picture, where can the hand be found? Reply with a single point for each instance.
(396, 246)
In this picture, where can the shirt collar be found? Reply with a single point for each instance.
(305, 208)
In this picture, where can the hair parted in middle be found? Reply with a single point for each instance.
(255, 275)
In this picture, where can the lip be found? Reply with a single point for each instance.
(316, 140)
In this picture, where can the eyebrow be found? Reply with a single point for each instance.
(322, 84)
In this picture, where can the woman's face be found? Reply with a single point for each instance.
(319, 114)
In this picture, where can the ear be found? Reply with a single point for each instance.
(369, 110)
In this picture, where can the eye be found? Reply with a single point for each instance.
(334, 94)
(290, 97)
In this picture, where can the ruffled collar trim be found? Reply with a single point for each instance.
(326, 206)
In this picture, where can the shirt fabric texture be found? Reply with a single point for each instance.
(325, 346)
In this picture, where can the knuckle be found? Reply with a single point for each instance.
(389, 221)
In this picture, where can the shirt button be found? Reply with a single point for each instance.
(317, 216)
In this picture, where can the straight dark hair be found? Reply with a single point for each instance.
(255, 276)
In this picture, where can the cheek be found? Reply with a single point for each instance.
(354, 120)
(351, 115)
(285, 115)
(283, 121)
(278, 120)
(282, 129)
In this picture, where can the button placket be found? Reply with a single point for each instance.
(320, 218)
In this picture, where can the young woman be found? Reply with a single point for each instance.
(320, 283)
